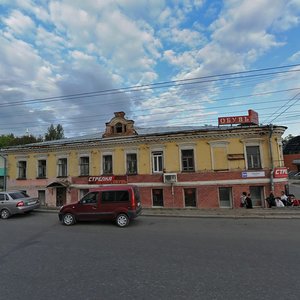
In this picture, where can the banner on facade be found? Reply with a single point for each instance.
(251, 119)
(253, 174)
(280, 173)
(112, 179)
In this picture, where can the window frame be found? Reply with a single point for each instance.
(189, 169)
(103, 168)
(22, 169)
(41, 169)
(62, 169)
(135, 167)
(252, 167)
(157, 161)
(84, 165)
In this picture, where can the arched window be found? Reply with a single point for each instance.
(118, 128)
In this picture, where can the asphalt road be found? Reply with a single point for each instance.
(153, 258)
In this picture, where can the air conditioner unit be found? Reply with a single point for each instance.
(170, 177)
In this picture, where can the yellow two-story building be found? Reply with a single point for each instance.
(174, 167)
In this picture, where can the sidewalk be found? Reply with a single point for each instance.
(267, 213)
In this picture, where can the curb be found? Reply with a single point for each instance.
(184, 214)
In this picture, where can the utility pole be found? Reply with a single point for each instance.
(4, 174)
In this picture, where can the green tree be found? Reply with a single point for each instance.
(286, 139)
(6, 139)
(54, 133)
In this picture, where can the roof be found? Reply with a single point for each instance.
(141, 132)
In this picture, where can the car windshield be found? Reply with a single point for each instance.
(18, 195)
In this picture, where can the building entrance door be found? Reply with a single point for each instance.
(60, 196)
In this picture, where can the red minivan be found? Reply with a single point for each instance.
(118, 203)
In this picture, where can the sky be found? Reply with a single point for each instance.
(164, 63)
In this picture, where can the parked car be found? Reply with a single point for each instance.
(118, 203)
(16, 202)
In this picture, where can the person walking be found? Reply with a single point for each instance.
(243, 199)
(248, 201)
(271, 200)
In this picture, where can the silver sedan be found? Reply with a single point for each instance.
(16, 202)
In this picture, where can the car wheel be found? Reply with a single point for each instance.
(122, 220)
(5, 214)
(68, 219)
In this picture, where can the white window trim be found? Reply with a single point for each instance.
(157, 149)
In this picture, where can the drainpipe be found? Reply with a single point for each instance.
(4, 181)
(271, 157)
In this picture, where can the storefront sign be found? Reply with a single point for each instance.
(252, 118)
(253, 174)
(280, 173)
(107, 179)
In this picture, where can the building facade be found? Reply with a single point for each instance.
(193, 167)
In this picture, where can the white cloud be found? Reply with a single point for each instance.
(19, 24)
(295, 57)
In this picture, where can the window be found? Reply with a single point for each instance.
(253, 157)
(42, 168)
(115, 196)
(62, 167)
(107, 164)
(84, 166)
(225, 196)
(157, 197)
(187, 158)
(90, 198)
(83, 192)
(22, 169)
(190, 197)
(157, 161)
(118, 128)
(3, 197)
(131, 161)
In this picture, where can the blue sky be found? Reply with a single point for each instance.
(98, 51)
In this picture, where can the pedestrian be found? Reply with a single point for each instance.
(248, 201)
(284, 198)
(243, 199)
(271, 200)
(278, 202)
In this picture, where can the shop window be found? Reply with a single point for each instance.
(187, 159)
(157, 161)
(190, 197)
(225, 197)
(157, 197)
(107, 164)
(22, 164)
(62, 167)
(42, 164)
(84, 166)
(131, 163)
(253, 157)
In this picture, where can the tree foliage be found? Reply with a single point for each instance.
(11, 140)
(54, 133)
(286, 139)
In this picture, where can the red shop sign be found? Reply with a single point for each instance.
(111, 179)
(280, 173)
